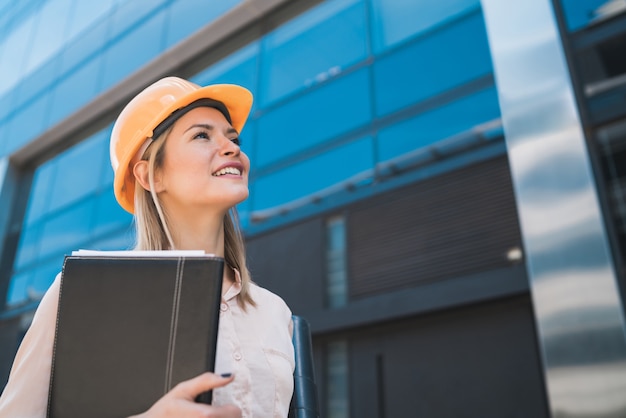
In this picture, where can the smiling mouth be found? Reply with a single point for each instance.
(227, 170)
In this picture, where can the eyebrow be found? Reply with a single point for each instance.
(230, 130)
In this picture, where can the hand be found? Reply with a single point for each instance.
(179, 402)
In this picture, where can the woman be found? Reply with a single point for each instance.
(179, 169)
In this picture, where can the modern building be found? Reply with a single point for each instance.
(439, 187)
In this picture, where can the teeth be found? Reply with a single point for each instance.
(227, 170)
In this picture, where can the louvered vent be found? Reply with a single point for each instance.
(451, 225)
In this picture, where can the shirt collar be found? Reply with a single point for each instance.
(235, 289)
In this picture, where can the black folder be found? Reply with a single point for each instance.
(131, 328)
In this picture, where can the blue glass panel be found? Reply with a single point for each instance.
(579, 13)
(187, 16)
(27, 123)
(128, 14)
(316, 117)
(14, 54)
(396, 20)
(33, 85)
(438, 124)
(6, 105)
(28, 246)
(48, 37)
(66, 230)
(76, 90)
(89, 41)
(243, 210)
(109, 215)
(248, 141)
(239, 68)
(133, 51)
(85, 14)
(106, 180)
(45, 274)
(314, 174)
(121, 240)
(78, 171)
(2, 139)
(18, 288)
(42, 188)
(431, 65)
(313, 47)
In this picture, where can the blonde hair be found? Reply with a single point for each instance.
(152, 228)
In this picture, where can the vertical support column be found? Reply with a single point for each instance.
(577, 306)
(7, 192)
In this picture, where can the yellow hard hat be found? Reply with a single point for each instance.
(157, 107)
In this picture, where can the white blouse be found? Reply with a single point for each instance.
(253, 344)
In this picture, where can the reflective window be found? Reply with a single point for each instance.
(76, 90)
(28, 247)
(6, 104)
(446, 59)
(78, 172)
(314, 118)
(133, 50)
(84, 14)
(187, 16)
(48, 37)
(336, 264)
(127, 15)
(18, 288)
(314, 174)
(337, 380)
(109, 215)
(430, 127)
(14, 54)
(239, 68)
(41, 191)
(31, 86)
(106, 180)
(313, 47)
(27, 123)
(82, 47)
(580, 13)
(396, 20)
(121, 240)
(43, 276)
(66, 230)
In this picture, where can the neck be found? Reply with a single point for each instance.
(198, 232)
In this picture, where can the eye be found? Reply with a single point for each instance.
(201, 135)
(236, 141)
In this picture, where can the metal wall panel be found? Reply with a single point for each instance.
(451, 225)
(576, 301)
(475, 361)
(289, 262)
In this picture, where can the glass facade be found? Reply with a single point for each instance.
(354, 99)
(340, 89)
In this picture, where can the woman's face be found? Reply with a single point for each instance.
(203, 166)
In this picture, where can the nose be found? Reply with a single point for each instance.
(228, 147)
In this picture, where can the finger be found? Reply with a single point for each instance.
(191, 388)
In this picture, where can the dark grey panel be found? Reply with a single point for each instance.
(454, 224)
(289, 262)
(478, 361)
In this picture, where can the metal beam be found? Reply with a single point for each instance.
(572, 276)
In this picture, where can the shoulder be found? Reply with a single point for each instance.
(269, 302)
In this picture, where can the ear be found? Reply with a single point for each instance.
(141, 173)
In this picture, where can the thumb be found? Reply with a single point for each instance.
(191, 388)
